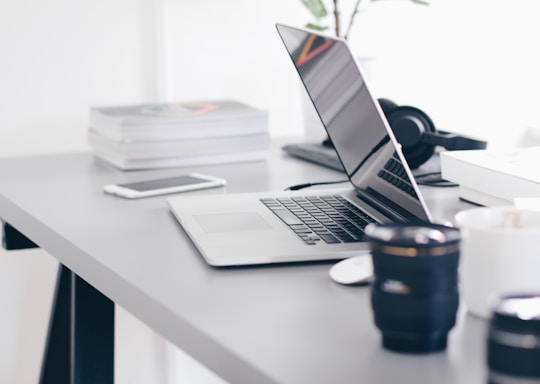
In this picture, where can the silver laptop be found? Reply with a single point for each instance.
(244, 229)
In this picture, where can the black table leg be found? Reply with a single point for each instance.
(80, 343)
(56, 360)
(13, 239)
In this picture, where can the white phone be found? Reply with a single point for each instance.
(147, 188)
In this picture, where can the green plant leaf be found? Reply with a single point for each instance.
(317, 8)
(316, 27)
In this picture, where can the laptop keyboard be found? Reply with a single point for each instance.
(395, 174)
(321, 219)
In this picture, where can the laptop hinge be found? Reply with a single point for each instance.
(385, 209)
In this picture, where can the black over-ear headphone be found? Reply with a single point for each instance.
(417, 135)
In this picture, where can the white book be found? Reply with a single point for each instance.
(493, 177)
(481, 198)
(193, 130)
(174, 148)
(179, 120)
(166, 162)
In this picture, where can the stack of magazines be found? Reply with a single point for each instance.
(178, 134)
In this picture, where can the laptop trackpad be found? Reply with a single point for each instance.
(231, 222)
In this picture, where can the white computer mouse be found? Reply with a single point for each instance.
(353, 271)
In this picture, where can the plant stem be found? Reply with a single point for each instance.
(351, 20)
(336, 17)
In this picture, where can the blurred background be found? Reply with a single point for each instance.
(470, 64)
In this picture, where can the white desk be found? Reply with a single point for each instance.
(273, 324)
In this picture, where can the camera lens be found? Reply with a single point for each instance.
(514, 341)
(415, 290)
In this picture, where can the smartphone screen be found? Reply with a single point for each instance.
(183, 183)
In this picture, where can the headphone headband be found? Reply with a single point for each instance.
(416, 133)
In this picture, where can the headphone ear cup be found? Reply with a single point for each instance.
(409, 124)
(386, 105)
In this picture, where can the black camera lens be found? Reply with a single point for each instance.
(513, 347)
(415, 290)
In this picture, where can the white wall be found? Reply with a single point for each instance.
(471, 64)
(26, 288)
(58, 58)
(233, 50)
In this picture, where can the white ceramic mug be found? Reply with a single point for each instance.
(500, 255)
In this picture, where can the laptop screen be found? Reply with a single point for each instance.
(354, 122)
